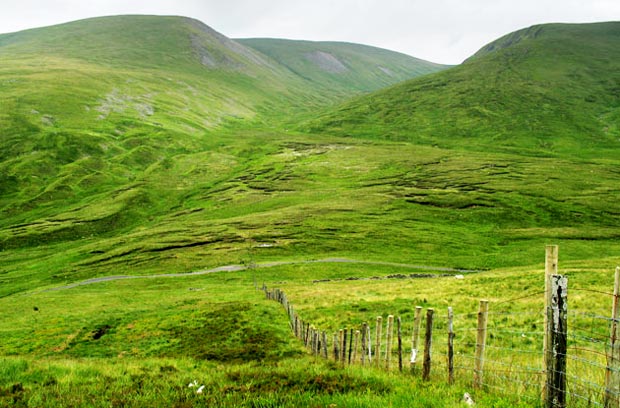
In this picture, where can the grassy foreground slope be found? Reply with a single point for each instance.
(550, 90)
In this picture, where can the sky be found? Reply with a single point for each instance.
(443, 31)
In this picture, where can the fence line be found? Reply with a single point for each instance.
(486, 349)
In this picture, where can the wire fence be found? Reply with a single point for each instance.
(499, 350)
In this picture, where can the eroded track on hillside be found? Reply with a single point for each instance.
(237, 268)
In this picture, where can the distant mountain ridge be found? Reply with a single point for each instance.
(342, 65)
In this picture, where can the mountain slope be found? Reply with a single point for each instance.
(342, 66)
(550, 89)
(108, 123)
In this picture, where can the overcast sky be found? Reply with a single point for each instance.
(445, 31)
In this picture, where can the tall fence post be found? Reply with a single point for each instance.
(551, 268)
(378, 342)
(612, 373)
(450, 346)
(389, 341)
(428, 341)
(415, 338)
(555, 395)
(481, 339)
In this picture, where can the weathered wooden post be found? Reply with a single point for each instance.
(324, 344)
(369, 344)
(344, 348)
(336, 350)
(400, 343)
(551, 268)
(364, 341)
(415, 338)
(481, 339)
(350, 345)
(389, 341)
(450, 346)
(356, 346)
(378, 341)
(612, 373)
(341, 341)
(557, 343)
(428, 341)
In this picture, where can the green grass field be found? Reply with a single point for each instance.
(196, 152)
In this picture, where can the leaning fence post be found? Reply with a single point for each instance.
(389, 341)
(428, 341)
(450, 346)
(555, 395)
(483, 312)
(415, 338)
(378, 341)
(612, 374)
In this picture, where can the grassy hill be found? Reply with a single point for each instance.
(111, 122)
(550, 90)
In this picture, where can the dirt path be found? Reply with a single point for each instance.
(236, 268)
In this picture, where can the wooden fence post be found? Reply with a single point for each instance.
(340, 343)
(551, 268)
(364, 340)
(481, 339)
(336, 351)
(415, 338)
(400, 343)
(450, 346)
(612, 374)
(368, 350)
(344, 347)
(356, 347)
(557, 342)
(378, 341)
(428, 341)
(389, 341)
(324, 344)
(350, 345)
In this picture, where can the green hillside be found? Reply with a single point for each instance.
(547, 90)
(342, 66)
(108, 124)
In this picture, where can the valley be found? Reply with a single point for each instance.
(127, 152)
